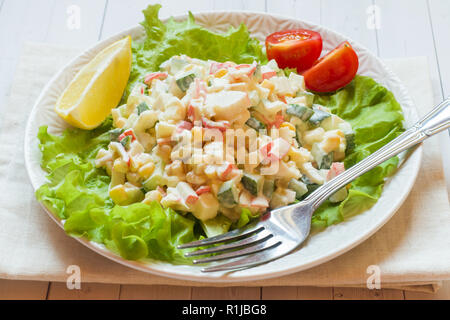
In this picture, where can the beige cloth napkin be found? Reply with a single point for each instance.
(412, 249)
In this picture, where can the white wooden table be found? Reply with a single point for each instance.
(404, 28)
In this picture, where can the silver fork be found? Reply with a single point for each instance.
(282, 230)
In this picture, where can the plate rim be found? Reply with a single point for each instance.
(205, 277)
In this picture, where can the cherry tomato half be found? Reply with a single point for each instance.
(298, 48)
(334, 70)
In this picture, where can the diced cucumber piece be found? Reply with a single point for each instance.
(327, 124)
(308, 95)
(297, 136)
(156, 179)
(258, 74)
(142, 107)
(333, 123)
(299, 187)
(339, 195)
(126, 142)
(350, 138)
(252, 182)
(124, 195)
(327, 160)
(310, 185)
(255, 124)
(115, 133)
(306, 180)
(268, 188)
(318, 117)
(301, 112)
(185, 81)
(135, 195)
(213, 227)
(323, 159)
(317, 153)
(228, 194)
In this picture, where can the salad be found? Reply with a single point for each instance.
(166, 121)
(212, 133)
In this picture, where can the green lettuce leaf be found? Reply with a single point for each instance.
(245, 218)
(218, 225)
(77, 192)
(376, 118)
(165, 40)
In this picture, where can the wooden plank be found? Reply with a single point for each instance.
(120, 15)
(439, 15)
(157, 292)
(350, 19)
(253, 5)
(176, 7)
(398, 38)
(439, 11)
(230, 293)
(278, 293)
(76, 22)
(23, 290)
(20, 21)
(442, 294)
(346, 17)
(32, 26)
(297, 293)
(88, 291)
(123, 14)
(42, 20)
(366, 294)
(300, 9)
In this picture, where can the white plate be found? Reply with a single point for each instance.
(321, 247)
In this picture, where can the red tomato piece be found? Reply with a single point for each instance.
(334, 70)
(298, 48)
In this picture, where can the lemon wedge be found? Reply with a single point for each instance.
(97, 87)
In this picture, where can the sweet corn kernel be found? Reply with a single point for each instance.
(340, 133)
(134, 164)
(164, 152)
(195, 179)
(197, 133)
(153, 195)
(331, 143)
(268, 85)
(118, 194)
(120, 123)
(221, 73)
(176, 168)
(133, 178)
(299, 156)
(288, 125)
(120, 165)
(210, 172)
(146, 170)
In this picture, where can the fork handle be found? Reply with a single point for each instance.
(435, 121)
